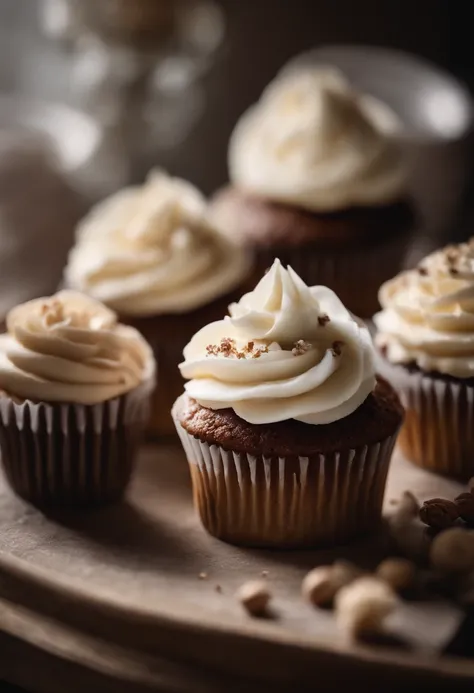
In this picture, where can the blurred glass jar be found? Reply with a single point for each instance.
(137, 64)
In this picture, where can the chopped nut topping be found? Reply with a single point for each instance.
(324, 319)
(422, 270)
(254, 597)
(300, 347)
(228, 349)
(439, 513)
(336, 348)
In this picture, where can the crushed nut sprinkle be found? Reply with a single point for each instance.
(336, 348)
(300, 347)
(324, 319)
(228, 349)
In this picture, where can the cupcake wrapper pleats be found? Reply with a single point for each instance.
(288, 502)
(72, 454)
(438, 433)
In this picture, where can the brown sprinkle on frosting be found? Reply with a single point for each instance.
(300, 347)
(336, 348)
(324, 319)
(423, 271)
(228, 349)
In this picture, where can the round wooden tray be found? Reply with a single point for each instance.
(112, 600)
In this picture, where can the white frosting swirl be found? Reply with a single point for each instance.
(287, 351)
(312, 142)
(428, 313)
(70, 348)
(150, 250)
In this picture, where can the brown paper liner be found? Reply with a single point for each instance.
(288, 502)
(354, 272)
(438, 432)
(72, 454)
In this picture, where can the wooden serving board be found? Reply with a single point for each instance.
(112, 600)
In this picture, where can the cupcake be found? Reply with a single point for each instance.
(287, 430)
(74, 398)
(150, 254)
(318, 181)
(426, 341)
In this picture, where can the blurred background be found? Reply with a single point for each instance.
(113, 87)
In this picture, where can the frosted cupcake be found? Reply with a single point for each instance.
(287, 431)
(150, 254)
(426, 338)
(317, 180)
(74, 399)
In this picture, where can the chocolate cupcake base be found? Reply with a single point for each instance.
(438, 432)
(251, 489)
(71, 454)
(353, 251)
(168, 335)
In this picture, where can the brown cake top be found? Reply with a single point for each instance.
(379, 417)
(266, 224)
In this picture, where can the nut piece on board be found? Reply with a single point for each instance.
(362, 606)
(406, 510)
(398, 573)
(254, 597)
(465, 506)
(321, 584)
(439, 513)
(452, 551)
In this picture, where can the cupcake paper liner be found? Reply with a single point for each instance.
(72, 454)
(288, 502)
(438, 432)
(354, 273)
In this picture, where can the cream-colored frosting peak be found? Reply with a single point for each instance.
(70, 348)
(313, 142)
(150, 250)
(286, 351)
(428, 313)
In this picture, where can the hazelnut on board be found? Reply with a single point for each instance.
(321, 584)
(452, 551)
(362, 606)
(254, 597)
(398, 573)
(465, 505)
(439, 513)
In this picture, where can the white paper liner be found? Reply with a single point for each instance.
(72, 453)
(438, 432)
(288, 502)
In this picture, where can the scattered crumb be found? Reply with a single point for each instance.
(218, 589)
(264, 573)
(393, 501)
(203, 576)
(254, 597)
(422, 271)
